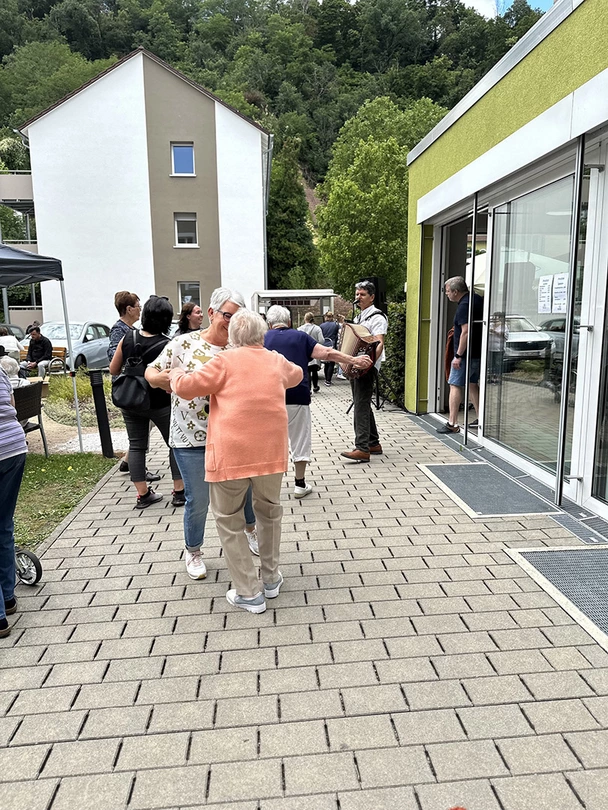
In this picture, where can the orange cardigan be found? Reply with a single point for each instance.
(247, 431)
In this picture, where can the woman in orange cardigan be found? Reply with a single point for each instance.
(246, 444)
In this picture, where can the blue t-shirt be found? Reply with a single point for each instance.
(297, 347)
(462, 316)
(330, 331)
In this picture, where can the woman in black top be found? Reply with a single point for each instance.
(155, 321)
(190, 319)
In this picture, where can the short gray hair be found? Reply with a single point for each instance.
(10, 365)
(277, 314)
(457, 284)
(222, 294)
(246, 328)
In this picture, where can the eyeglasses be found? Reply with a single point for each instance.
(225, 315)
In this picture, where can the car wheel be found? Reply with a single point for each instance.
(81, 362)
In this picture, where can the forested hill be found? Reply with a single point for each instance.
(300, 67)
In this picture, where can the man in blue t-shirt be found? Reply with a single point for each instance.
(457, 291)
(300, 348)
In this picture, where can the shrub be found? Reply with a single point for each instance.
(393, 369)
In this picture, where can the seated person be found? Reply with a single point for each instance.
(39, 354)
(9, 342)
(12, 371)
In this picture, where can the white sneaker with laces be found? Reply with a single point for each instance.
(195, 566)
(252, 539)
(256, 604)
(302, 492)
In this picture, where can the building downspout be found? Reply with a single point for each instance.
(266, 168)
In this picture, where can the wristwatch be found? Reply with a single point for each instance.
(458, 356)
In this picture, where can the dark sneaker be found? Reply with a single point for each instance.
(124, 467)
(5, 630)
(179, 497)
(447, 428)
(150, 476)
(10, 606)
(144, 501)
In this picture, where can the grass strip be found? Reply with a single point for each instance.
(51, 488)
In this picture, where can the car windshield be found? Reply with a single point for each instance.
(56, 331)
(519, 324)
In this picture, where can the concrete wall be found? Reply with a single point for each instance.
(90, 181)
(240, 201)
(569, 57)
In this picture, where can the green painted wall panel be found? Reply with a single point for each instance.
(571, 55)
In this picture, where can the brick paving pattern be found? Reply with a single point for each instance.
(407, 663)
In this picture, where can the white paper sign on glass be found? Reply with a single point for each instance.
(560, 292)
(545, 290)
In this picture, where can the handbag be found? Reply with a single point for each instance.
(130, 390)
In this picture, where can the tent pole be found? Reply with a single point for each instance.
(5, 305)
(72, 372)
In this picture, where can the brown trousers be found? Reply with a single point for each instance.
(227, 502)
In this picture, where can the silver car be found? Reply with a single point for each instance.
(89, 342)
(525, 341)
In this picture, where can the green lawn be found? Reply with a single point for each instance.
(51, 488)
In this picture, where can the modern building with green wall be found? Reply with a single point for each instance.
(510, 191)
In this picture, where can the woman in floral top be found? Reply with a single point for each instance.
(188, 432)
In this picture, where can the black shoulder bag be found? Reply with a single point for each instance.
(130, 390)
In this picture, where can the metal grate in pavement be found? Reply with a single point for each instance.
(576, 577)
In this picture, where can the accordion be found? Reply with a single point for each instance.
(355, 339)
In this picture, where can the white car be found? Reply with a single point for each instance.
(90, 342)
(525, 341)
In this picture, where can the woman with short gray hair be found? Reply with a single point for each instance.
(245, 416)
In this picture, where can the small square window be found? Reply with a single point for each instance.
(185, 229)
(182, 158)
(189, 292)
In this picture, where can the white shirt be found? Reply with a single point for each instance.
(377, 325)
(11, 346)
(188, 416)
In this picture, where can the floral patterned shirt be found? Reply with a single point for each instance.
(188, 416)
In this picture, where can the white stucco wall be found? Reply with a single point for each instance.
(91, 193)
(241, 202)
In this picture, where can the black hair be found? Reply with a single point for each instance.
(156, 315)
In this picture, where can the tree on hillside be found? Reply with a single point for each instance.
(292, 256)
(363, 224)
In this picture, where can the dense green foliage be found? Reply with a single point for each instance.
(392, 382)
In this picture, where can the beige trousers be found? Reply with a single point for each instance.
(227, 502)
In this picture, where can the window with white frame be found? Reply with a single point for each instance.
(182, 158)
(185, 230)
(189, 292)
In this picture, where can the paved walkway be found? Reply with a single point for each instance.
(407, 664)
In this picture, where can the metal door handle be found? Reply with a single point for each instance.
(585, 326)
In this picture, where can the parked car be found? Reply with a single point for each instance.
(15, 330)
(89, 342)
(556, 327)
(525, 341)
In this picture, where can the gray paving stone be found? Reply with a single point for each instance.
(81, 758)
(496, 689)
(153, 751)
(77, 673)
(169, 787)
(518, 662)
(168, 690)
(311, 705)
(535, 755)
(258, 709)
(194, 715)
(476, 760)
(32, 795)
(590, 747)
(388, 767)
(591, 786)
(474, 795)
(123, 721)
(47, 728)
(372, 699)
(378, 798)
(43, 701)
(440, 725)
(134, 669)
(439, 695)
(253, 779)
(540, 792)
(373, 731)
(549, 685)
(102, 695)
(23, 762)
(231, 744)
(334, 771)
(560, 716)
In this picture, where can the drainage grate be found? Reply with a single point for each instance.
(580, 529)
(580, 574)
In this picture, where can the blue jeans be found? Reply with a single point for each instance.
(191, 463)
(11, 473)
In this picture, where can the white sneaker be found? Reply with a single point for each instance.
(272, 591)
(256, 604)
(252, 539)
(302, 492)
(194, 565)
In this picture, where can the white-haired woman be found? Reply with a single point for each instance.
(245, 416)
(188, 432)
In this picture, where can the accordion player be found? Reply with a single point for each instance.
(356, 339)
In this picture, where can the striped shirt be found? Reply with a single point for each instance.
(12, 437)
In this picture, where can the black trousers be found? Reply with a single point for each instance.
(313, 377)
(366, 433)
(328, 370)
(138, 429)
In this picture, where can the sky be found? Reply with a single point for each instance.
(488, 7)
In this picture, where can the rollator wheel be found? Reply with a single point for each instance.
(28, 566)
